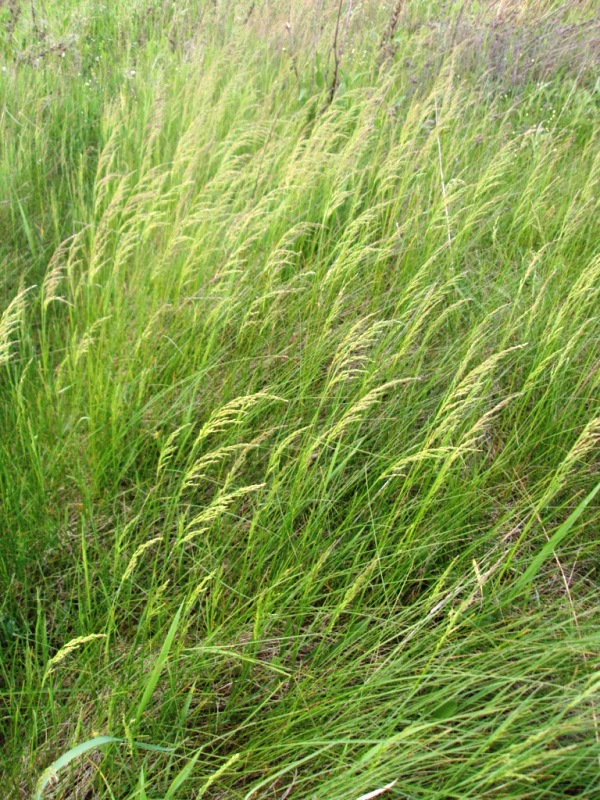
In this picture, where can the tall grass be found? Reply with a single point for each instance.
(299, 404)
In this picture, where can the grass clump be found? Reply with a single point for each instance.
(299, 401)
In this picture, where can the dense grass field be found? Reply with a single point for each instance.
(299, 400)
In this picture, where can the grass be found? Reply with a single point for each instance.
(299, 402)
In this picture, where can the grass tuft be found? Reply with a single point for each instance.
(299, 400)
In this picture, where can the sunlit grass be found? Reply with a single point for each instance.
(299, 410)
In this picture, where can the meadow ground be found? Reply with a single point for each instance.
(299, 408)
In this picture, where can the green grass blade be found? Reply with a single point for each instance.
(557, 537)
(158, 667)
(51, 773)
